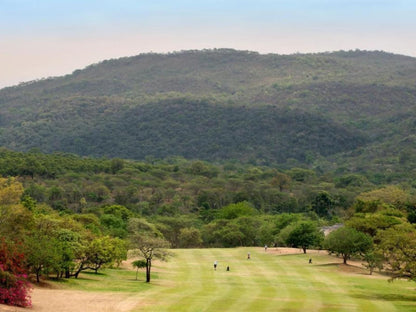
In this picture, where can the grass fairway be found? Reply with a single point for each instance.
(269, 281)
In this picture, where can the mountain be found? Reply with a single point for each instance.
(329, 109)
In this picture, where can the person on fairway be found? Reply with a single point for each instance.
(215, 265)
(248, 256)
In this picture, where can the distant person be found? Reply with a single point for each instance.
(310, 260)
(265, 247)
(248, 256)
(215, 265)
(228, 268)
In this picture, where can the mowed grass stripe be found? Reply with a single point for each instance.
(186, 273)
(235, 288)
(300, 289)
(333, 295)
(272, 292)
(202, 264)
(323, 293)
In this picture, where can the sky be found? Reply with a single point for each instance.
(47, 38)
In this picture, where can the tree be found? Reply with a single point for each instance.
(116, 165)
(171, 228)
(147, 242)
(149, 248)
(14, 288)
(234, 211)
(103, 251)
(71, 246)
(41, 253)
(323, 204)
(371, 223)
(282, 181)
(304, 235)
(347, 241)
(10, 191)
(190, 238)
(138, 264)
(373, 260)
(398, 246)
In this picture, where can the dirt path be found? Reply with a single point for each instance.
(59, 300)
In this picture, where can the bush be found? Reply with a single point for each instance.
(14, 287)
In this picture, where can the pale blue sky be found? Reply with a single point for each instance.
(41, 38)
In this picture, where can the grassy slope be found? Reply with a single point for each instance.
(266, 282)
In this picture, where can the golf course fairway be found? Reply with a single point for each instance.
(271, 281)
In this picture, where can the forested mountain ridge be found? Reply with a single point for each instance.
(220, 104)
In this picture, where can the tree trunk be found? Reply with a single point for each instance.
(304, 250)
(37, 275)
(345, 257)
(148, 267)
(81, 267)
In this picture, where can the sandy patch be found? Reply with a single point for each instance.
(59, 300)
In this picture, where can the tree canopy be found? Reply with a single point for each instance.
(347, 242)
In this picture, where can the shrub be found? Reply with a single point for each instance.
(14, 287)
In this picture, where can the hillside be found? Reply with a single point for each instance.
(223, 104)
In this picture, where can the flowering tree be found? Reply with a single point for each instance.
(14, 287)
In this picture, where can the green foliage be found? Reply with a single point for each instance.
(190, 238)
(373, 260)
(391, 195)
(138, 264)
(305, 235)
(398, 246)
(105, 251)
(323, 205)
(348, 242)
(234, 211)
(372, 223)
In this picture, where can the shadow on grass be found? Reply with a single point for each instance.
(386, 297)
(328, 264)
(63, 280)
(93, 273)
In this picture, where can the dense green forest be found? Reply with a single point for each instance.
(350, 109)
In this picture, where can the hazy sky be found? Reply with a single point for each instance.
(43, 38)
